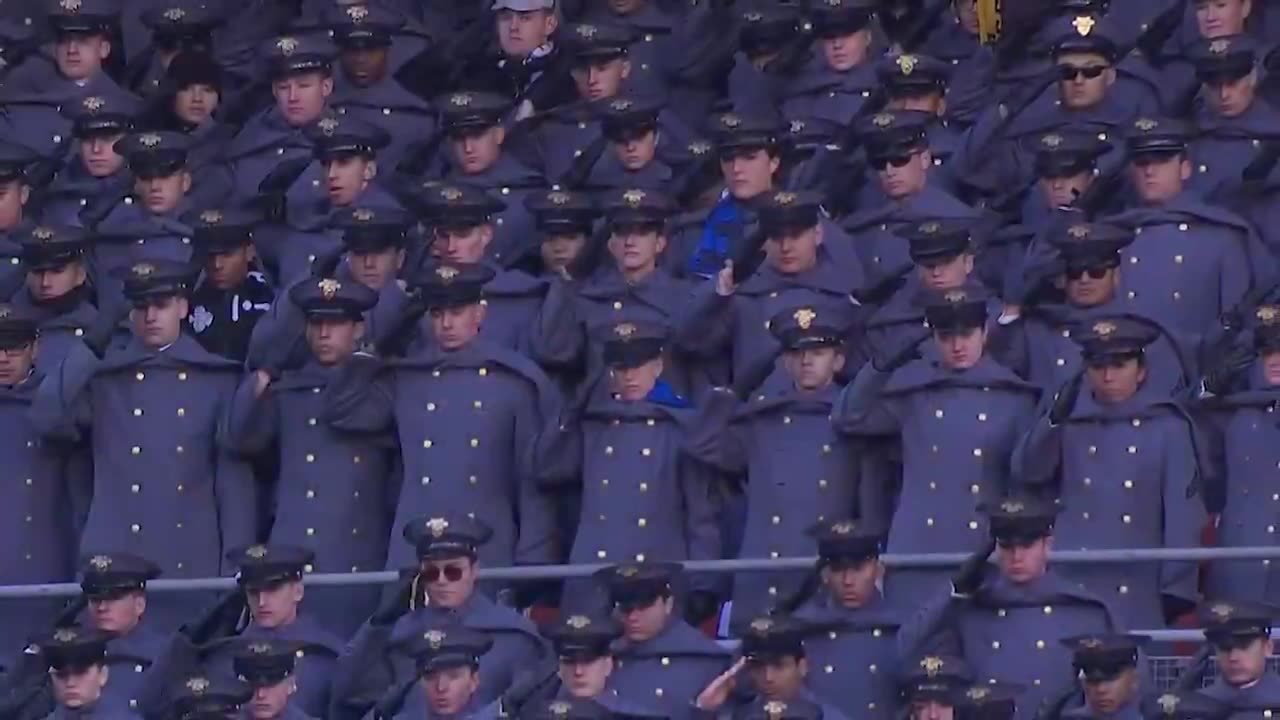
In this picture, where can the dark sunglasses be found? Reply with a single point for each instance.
(1094, 273)
(880, 163)
(452, 573)
(1072, 72)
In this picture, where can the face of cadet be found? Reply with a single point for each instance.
(1158, 178)
(967, 14)
(477, 149)
(748, 172)
(158, 321)
(275, 605)
(1092, 287)
(961, 349)
(195, 103)
(931, 710)
(333, 340)
(227, 270)
(1115, 380)
(794, 251)
(853, 585)
(522, 32)
(118, 615)
(301, 98)
(1108, 696)
(365, 67)
(1231, 98)
(845, 52)
(98, 155)
(15, 363)
(560, 250)
(902, 177)
(585, 678)
(53, 283)
(346, 176)
(636, 152)
(597, 78)
(450, 582)
(462, 246)
(1062, 190)
(945, 273)
(1220, 18)
(1271, 367)
(79, 56)
(79, 687)
(449, 689)
(779, 678)
(1022, 563)
(636, 249)
(813, 368)
(1243, 665)
(645, 622)
(269, 701)
(631, 384)
(160, 195)
(1080, 91)
(454, 327)
(376, 268)
(13, 196)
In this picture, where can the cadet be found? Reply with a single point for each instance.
(588, 660)
(57, 296)
(367, 89)
(1108, 669)
(343, 517)
(1066, 165)
(447, 658)
(77, 665)
(199, 696)
(1105, 448)
(1232, 117)
(1192, 261)
(447, 548)
(919, 82)
(641, 498)
(145, 224)
(855, 663)
(473, 124)
(15, 191)
(1241, 637)
(565, 220)
(115, 590)
(94, 169)
(835, 87)
(820, 477)
(800, 269)
(302, 81)
(183, 28)
(231, 296)
(1007, 625)
(932, 686)
(634, 157)
(151, 409)
(195, 89)
(268, 667)
(660, 656)
(956, 407)
(774, 656)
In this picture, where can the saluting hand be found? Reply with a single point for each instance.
(716, 694)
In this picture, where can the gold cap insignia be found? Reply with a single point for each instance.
(804, 317)
(1051, 141)
(434, 638)
(775, 708)
(362, 215)
(1078, 232)
(71, 6)
(930, 228)
(1268, 314)
(577, 622)
(437, 526)
(621, 105)
(452, 194)
(100, 562)
(753, 17)
(1083, 25)
(460, 99)
(624, 330)
(834, 3)
(65, 634)
(1145, 124)
(358, 13)
(955, 296)
(845, 527)
(907, 64)
(287, 45)
(587, 31)
(1091, 643)
(42, 233)
(260, 648)
(558, 198)
(931, 665)
(198, 685)
(93, 103)
(149, 140)
(785, 198)
(1103, 328)
(627, 571)
(1220, 46)
(560, 708)
(447, 273)
(174, 14)
(633, 197)
(257, 552)
(700, 147)
(211, 217)
(1168, 703)
(762, 625)
(1222, 611)
(5, 311)
(882, 120)
(978, 693)
(730, 120)
(797, 127)
(1012, 506)
(329, 288)
(328, 126)
(143, 270)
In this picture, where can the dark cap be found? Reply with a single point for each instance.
(447, 536)
(1157, 136)
(340, 135)
(799, 328)
(565, 709)
(746, 130)
(814, 132)
(1189, 705)
(770, 638)
(1115, 337)
(194, 68)
(632, 344)
(764, 709)
(368, 230)
(109, 575)
(83, 16)
(459, 205)
(592, 41)
(155, 154)
(894, 133)
(14, 161)
(562, 212)
(1102, 657)
(263, 662)
(957, 310)
(263, 566)
(634, 206)
(329, 298)
(1266, 329)
(453, 285)
(833, 18)
(219, 230)
(911, 74)
(625, 117)
(156, 278)
(1066, 152)
(1083, 34)
(935, 677)
(1224, 620)
(1088, 245)
(937, 240)
(103, 114)
(846, 542)
(766, 27)
(74, 648)
(584, 637)
(1020, 518)
(298, 54)
(638, 585)
(203, 696)
(472, 110)
(18, 327)
(364, 26)
(49, 247)
(987, 701)
(181, 25)
(444, 644)
(1224, 58)
(786, 211)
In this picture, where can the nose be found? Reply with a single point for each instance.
(593, 75)
(260, 694)
(468, 145)
(1224, 93)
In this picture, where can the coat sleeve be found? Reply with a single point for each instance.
(358, 400)
(362, 672)
(1236, 275)
(932, 630)
(707, 329)
(860, 409)
(1183, 509)
(536, 510)
(250, 424)
(559, 454)
(237, 498)
(61, 408)
(557, 338)
(714, 439)
(278, 340)
(701, 510)
(1038, 455)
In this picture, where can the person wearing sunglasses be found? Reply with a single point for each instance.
(1007, 621)
(1240, 633)
(1107, 666)
(954, 407)
(1191, 261)
(919, 82)
(1122, 457)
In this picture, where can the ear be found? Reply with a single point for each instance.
(802, 665)
(481, 311)
(942, 106)
(1252, 78)
(140, 603)
(1246, 8)
(400, 255)
(326, 86)
(926, 159)
(186, 182)
(879, 570)
(838, 364)
(1142, 373)
(183, 307)
(370, 170)
(662, 243)
(1184, 169)
(1110, 76)
(817, 233)
(105, 675)
(486, 235)
(626, 69)
(299, 591)
(775, 162)
(24, 194)
(658, 366)
(500, 134)
(552, 21)
(968, 263)
(1048, 543)
(104, 49)
(359, 330)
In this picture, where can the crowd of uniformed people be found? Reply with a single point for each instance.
(321, 286)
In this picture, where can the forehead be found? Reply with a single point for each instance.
(1081, 58)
